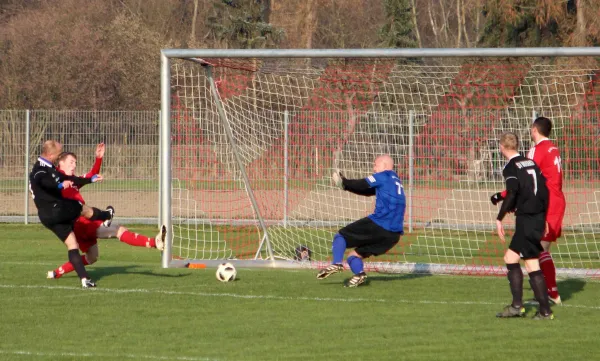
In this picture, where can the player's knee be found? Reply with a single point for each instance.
(120, 231)
(354, 254)
(91, 258)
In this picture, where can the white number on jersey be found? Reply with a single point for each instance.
(400, 187)
(557, 163)
(532, 173)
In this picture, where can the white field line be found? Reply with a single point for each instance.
(156, 265)
(100, 355)
(270, 297)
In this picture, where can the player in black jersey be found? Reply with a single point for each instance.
(57, 213)
(527, 196)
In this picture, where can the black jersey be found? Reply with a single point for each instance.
(526, 188)
(45, 184)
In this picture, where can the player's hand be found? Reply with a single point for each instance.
(546, 229)
(496, 198)
(97, 178)
(66, 184)
(500, 230)
(337, 178)
(100, 150)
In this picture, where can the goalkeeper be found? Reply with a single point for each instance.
(373, 235)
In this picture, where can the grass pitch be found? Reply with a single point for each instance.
(142, 312)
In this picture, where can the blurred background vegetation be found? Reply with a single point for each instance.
(81, 54)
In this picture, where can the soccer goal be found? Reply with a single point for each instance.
(249, 139)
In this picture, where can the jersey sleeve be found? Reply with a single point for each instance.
(78, 181)
(512, 188)
(375, 180)
(95, 168)
(510, 178)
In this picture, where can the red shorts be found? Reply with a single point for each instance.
(85, 231)
(554, 218)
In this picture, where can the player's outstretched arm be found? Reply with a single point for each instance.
(98, 162)
(357, 186)
(81, 181)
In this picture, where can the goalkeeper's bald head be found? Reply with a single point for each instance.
(383, 162)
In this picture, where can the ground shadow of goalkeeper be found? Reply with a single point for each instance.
(386, 277)
(101, 272)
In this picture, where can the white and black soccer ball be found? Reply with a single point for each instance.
(226, 272)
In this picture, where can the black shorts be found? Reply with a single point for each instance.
(368, 238)
(529, 230)
(61, 217)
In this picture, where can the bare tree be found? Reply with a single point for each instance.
(194, 18)
(416, 23)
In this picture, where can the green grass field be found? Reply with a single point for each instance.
(143, 312)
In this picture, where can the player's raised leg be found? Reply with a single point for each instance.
(134, 239)
(95, 214)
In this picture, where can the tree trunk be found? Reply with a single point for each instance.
(444, 28)
(414, 16)
(478, 23)
(459, 27)
(433, 24)
(463, 20)
(309, 27)
(266, 11)
(581, 23)
(194, 18)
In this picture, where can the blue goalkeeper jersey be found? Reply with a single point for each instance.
(390, 202)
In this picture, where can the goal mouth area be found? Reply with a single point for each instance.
(384, 268)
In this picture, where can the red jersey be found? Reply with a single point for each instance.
(547, 156)
(73, 192)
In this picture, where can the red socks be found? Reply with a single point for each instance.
(547, 266)
(68, 267)
(137, 240)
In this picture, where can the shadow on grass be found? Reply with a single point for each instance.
(376, 278)
(101, 272)
(567, 288)
(398, 277)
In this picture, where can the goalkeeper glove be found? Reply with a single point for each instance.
(338, 178)
(496, 198)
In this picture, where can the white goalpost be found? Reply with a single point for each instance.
(249, 139)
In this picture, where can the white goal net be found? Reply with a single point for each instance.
(253, 142)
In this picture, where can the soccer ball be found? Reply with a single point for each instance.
(226, 272)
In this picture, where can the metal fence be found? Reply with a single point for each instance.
(130, 164)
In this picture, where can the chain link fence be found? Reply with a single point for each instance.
(130, 164)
